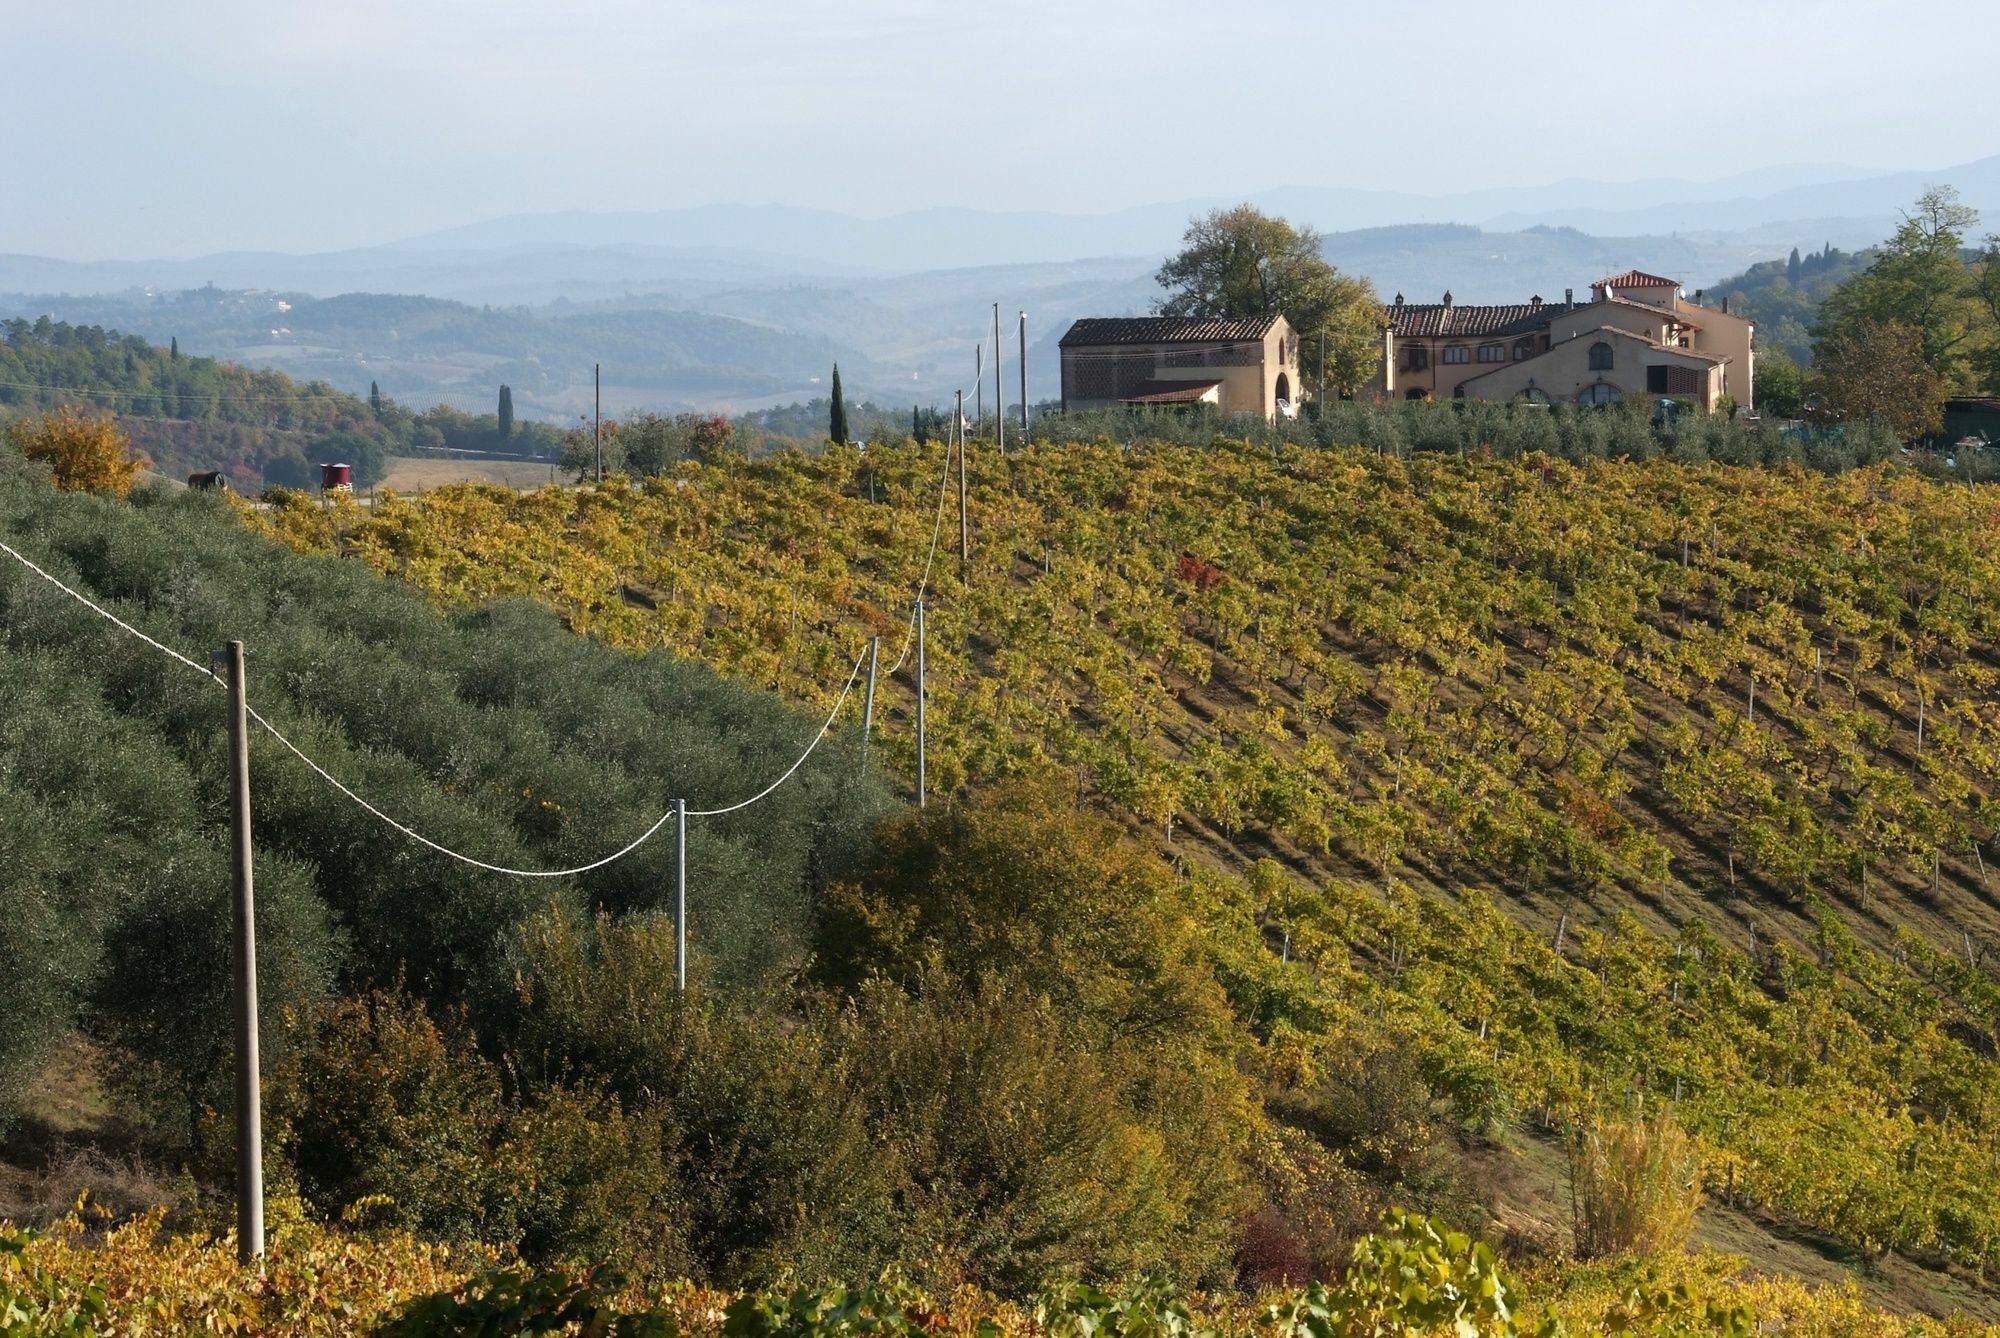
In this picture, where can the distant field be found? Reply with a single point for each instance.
(408, 473)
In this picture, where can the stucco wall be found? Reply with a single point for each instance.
(1564, 372)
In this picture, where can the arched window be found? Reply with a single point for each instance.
(1600, 393)
(1492, 353)
(1600, 356)
(1534, 395)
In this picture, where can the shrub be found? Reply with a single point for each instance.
(1634, 1186)
(84, 453)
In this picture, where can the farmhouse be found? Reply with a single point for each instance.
(1246, 365)
(1637, 336)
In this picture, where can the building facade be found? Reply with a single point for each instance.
(1246, 365)
(1636, 336)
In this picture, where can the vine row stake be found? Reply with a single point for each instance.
(249, 1091)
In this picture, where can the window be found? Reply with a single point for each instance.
(1523, 348)
(1665, 380)
(1416, 358)
(1601, 393)
(1492, 353)
(1600, 357)
(1457, 353)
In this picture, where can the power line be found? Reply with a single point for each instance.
(404, 828)
(937, 527)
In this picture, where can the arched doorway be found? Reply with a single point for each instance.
(1283, 393)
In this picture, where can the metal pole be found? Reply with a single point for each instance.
(249, 1095)
(964, 533)
(1024, 376)
(868, 701)
(597, 415)
(999, 391)
(680, 896)
(920, 703)
(978, 388)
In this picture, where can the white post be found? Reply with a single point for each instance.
(920, 703)
(680, 896)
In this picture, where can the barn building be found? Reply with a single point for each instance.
(1242, 365)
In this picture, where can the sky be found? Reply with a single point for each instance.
(134, 129)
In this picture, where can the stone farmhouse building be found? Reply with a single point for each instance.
(1242, 365)
(1637, 336)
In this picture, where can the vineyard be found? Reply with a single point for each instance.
(1704, 757)
(1698, 692)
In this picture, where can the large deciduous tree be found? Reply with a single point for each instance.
(1920, 282)
(84, 453)
(1878, 371)
(1243, 262)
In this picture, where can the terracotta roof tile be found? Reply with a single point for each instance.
(1167, 330)
(1435, 320)
(1636, 278)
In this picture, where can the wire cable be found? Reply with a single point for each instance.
(852, 674)
(404, 828)
(937, 528)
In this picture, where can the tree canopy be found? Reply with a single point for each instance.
(1243, 262)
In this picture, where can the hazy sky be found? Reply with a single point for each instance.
(140, 129)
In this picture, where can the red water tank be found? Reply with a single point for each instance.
(336, 476)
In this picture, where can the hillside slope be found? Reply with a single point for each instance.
(1522, 675)
(1521, 684)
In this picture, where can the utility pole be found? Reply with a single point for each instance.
(1024, 376)
(920, 702)
(999, 390)
(868, 700)
(978, 389)
(1322, 371)
(680, 896)
(597, 415)
(964, 533)
(249, 1092)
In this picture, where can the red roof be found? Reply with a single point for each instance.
(1636, 278)
(1434, 320)
(1098, 330)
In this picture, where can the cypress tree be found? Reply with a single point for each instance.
(375, 398)
(1793, 267)
(836, 427)
(506, 412)
(174, 349)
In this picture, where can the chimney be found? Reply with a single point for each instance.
(1698, 295)
(1399, 301)
(1569, 299)
(1725, 304)
(1535, 302)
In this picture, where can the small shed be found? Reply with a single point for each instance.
(336, 478)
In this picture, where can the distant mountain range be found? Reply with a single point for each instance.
(738, 306)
